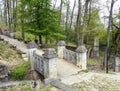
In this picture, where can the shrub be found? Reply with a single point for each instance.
(19, 71)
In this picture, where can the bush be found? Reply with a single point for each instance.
(19, 71)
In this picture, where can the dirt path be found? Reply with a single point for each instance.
(20, 45)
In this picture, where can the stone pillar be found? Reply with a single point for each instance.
(96, 47)
(50, 63)
(116, 64)
(81, 57)
(11, 35)
(61, 47)
(32, 47)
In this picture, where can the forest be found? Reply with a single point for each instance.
(51, 20)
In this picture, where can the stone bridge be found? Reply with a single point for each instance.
(64, 68)
(52, 65)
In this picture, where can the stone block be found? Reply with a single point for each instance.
(3, 73)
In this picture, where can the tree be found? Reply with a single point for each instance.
(108, 35)
(67, 18)
(84, 21)
(61, 4)
(71, 19)
(78, 23)
(39, 18)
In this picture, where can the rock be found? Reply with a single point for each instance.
(3, 73)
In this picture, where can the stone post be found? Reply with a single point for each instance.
(61, 47)
(50, 63)
(81, 57)
(116, 64)
(96, 47)
(32, 47)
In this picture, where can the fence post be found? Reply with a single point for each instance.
(81, 52)
(32, 47)
(50, 63)
(61, 47)
(116, 64)
(96, 47)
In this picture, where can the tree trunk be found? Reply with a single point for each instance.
(54, 4)
(40, 39)
(108, 36)
(14, 17)
(22, 28)
(71, 19)
(8, 13)
(84, 21)
(61, 4)
(78, 22)
(66, 24)
(5, 12)
(88, 23)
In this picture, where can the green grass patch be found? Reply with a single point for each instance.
(93, 62)
(85, 71)
(18, 72)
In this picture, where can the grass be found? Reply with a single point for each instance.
(93, 62)
(13, 60)
(98, 83)
(85, 71)
(8, 54)
(18, 72)
(26, 87)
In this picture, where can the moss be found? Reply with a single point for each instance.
(85, 71)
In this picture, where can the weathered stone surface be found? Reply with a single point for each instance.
(38, 63)
(96, 47)
(58, 84)
(81, 57)
(81, 49)
(31, 58)
(61, 43)
(70, 56)
(3, 73)
(31, 45)
(62, 86)
(50, 53)
(50, 63)
(61, 47)
(48, 81)
(116, 63)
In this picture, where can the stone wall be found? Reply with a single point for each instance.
(70, 56)
(79, 57)
(38, 63)
(46, 63)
